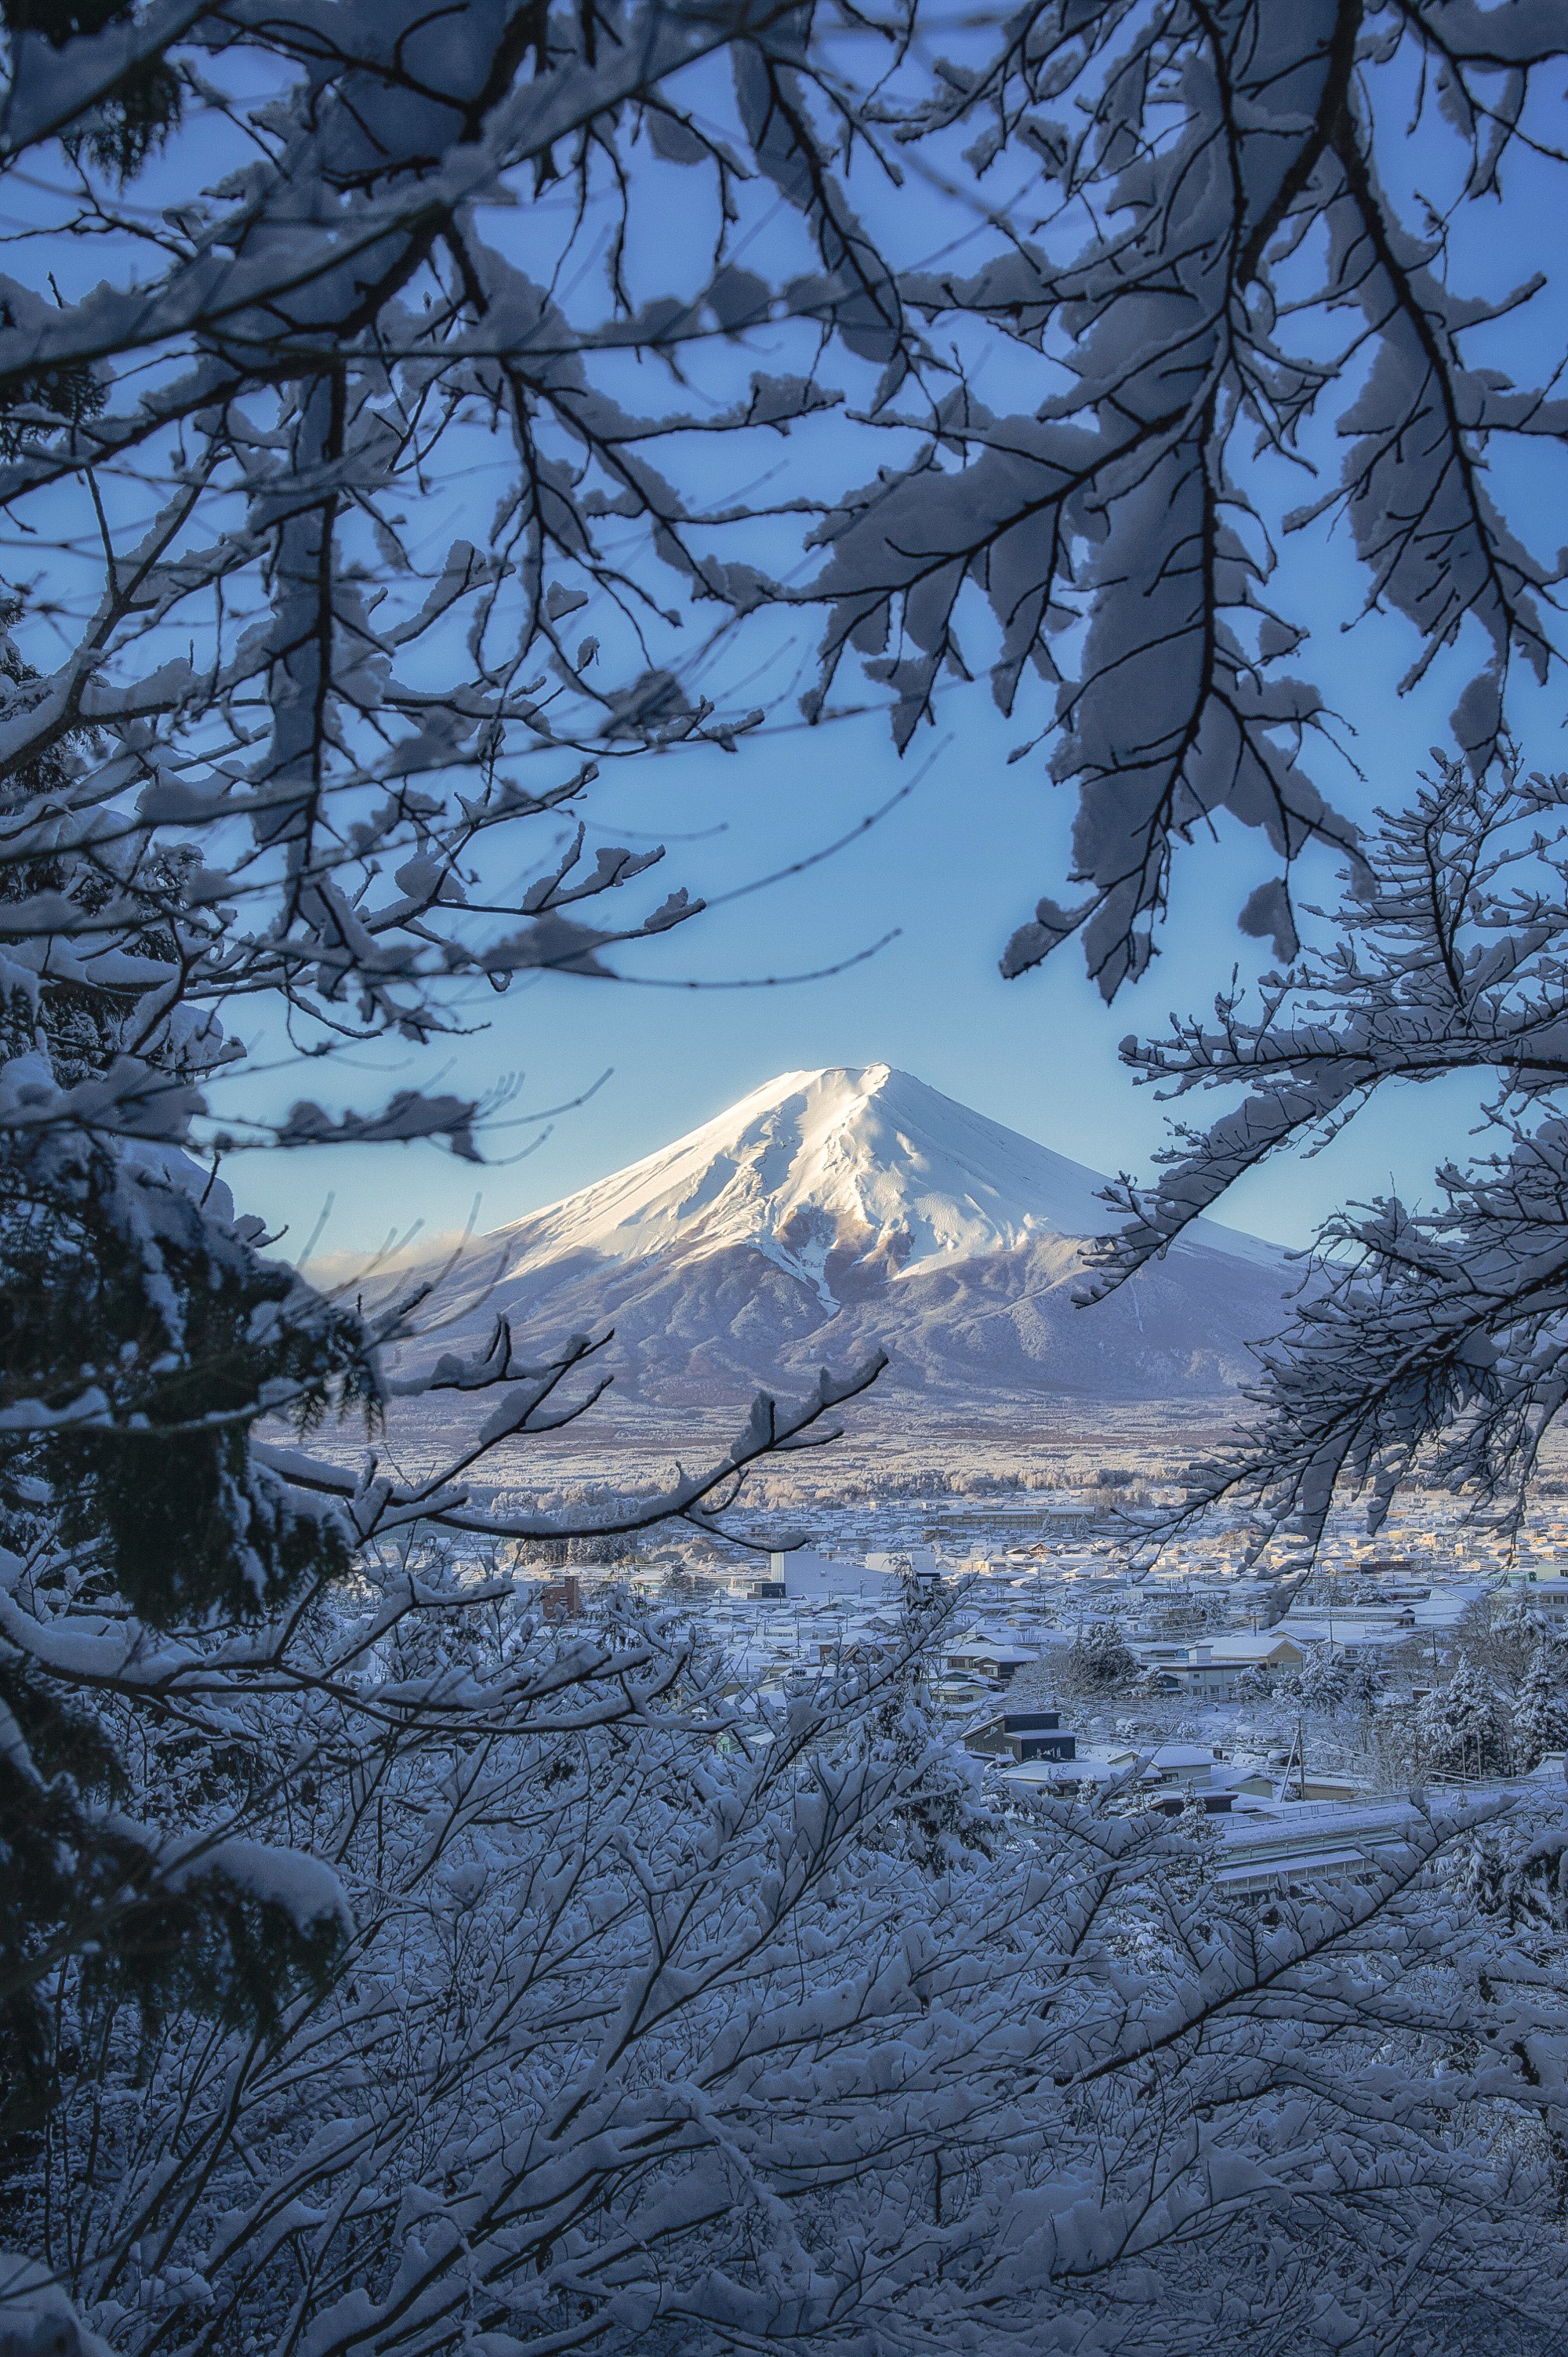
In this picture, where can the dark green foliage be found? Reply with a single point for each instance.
(114, 1274)
(1463, 1728)
(77, 1879)
(942, 1816)
(114, 1277)
(1364, 1679)
(129, 124)
(124, 1289)
(55, 1756)
(61, 21)
(188, 1525)
(1323, 1681)
(134, 121)
(111, 1276)
(35, 401)
(1538, 1720)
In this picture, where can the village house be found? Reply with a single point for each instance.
(1211, 1670)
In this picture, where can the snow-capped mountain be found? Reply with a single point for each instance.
(835, 1174)
(832, 1211)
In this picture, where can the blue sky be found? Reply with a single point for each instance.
(954, 867)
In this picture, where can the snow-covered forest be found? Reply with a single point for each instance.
(384, 1971)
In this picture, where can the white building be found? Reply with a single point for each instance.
(807, 1578)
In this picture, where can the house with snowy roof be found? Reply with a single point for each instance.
(1212, 1669)
(989, 1658)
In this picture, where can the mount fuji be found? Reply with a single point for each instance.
(834, 1212)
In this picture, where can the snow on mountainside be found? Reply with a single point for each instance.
(833, 1212)
(835, 1173)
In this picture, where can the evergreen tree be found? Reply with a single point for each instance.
(1538, 1720)
(1323, 1680)
(1098, 1661)
(1502, 1634)
(1518, 1635)
(942, 1816)
(1463, 1728)
(1364, 1679)
(142, 1339)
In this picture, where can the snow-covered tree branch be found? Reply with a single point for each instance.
(381, 1969)
(1206, 258)
(282, 723)
(665, 2021)
(1432, 1338)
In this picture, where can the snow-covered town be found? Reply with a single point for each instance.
(1306, 1712)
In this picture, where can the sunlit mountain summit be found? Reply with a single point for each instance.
(834, 1211)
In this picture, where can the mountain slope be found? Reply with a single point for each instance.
(834, 1211)
(821, 1169)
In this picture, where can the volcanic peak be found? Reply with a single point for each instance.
(843, 1176)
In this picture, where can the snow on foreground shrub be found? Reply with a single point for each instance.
(673, 2022)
